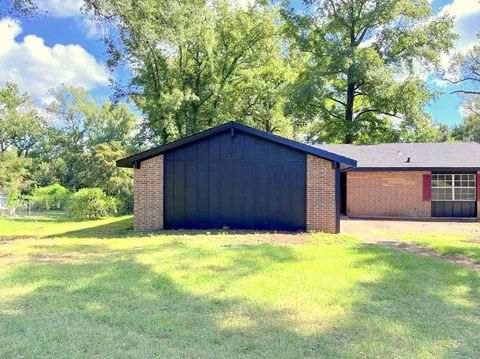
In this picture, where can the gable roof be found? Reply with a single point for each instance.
(411, 156)
(131, 161)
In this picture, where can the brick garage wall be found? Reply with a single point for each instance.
(148, 194)
(321, 204)
(386, 194)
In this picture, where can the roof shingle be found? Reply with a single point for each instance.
(410, 155)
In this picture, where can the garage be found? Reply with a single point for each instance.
(239, 181)
(234, 176)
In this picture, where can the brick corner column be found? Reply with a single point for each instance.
(148, 195)
(321, 195)
(478, 194)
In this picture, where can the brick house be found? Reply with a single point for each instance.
(236, 176)
(410, 180)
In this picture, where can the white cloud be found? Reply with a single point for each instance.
(70, 9)
(91, 28)
(37, 67)
(461, 8)
(60, 8)
(440, 82)
(466, 24)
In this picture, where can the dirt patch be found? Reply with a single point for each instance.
(472, 240)
(273, 237)
(6, 256)
(249, 236)
(283, 238)
(7, 240)
(369, 231)
(412, 248)
(51, 258)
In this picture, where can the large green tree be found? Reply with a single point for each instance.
(464, 71)
(469, 129)
(22, 129)
(83, 141)
(198, 63)
(14, 171)
(362, 59)
(21, 126)
(98, 169)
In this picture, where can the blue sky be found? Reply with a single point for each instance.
(65, 47)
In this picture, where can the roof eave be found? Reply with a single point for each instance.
(131, 161)
(427, 168)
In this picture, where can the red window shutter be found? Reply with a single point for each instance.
(478, 186)
(427, 187)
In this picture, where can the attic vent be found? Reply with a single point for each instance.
(408, 160)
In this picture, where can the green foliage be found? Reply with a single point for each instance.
(14, 171)
(83, 124)
(361, 81)
(91, 203)
(85, 143)
(113, 123)
(14, 198)
(45, 172)
(464, 71)
(469, 130)
(53, 197)
(21, 126)
(99, 170)
(198, 64)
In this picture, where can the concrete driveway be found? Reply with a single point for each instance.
(365, 228)
(387, 233)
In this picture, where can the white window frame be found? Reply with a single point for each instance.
(453, 178)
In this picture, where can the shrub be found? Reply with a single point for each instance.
(121, 187)
(54, 197)
(92, 203)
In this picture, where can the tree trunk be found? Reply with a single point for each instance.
(268, 125)
(349, 111)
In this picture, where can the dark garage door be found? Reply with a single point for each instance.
(235, 180)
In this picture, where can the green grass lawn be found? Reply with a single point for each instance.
(43, 226)
(97, 289)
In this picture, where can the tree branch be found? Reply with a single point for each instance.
(466, 92)
(464, 79)
(332, 114)
(376, 111)
(337, 101)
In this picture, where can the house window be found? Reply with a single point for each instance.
(453, 187)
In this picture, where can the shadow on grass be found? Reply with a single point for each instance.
(47, 217)
(117, 228)
(123, 228)
(47, 228)
(116, 305)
